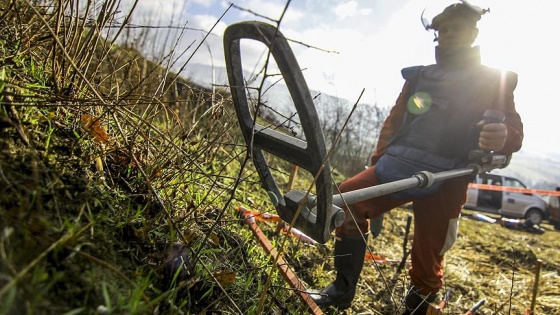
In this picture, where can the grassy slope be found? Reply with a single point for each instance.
(96, 224)
(488, 262)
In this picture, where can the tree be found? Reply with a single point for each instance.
(357, 140)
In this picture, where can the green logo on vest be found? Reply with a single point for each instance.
(419, 103)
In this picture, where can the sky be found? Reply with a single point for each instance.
(365, 43)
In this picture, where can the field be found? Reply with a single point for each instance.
(488, 262)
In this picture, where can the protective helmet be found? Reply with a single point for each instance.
(464, 10)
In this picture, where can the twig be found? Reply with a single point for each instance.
(512, 283)
(406, 252)
(197, 48)
(288, 39)
(222, 288)
(538, 266)
(4, 177)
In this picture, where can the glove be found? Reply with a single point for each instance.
(492, 136)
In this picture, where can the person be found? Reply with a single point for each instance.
(554, 210)
(435, 123)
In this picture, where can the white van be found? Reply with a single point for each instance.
(507, 204)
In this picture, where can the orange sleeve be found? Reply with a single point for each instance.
(392, 124)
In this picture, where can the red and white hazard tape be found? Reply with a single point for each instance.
(515, 189)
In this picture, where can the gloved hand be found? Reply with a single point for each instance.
(492, 136)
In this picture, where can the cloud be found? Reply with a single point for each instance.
(157, 11)
(204, 3)
(270, 9)
(206, 22)
(345, 10)
(370, 55)
(375, 39)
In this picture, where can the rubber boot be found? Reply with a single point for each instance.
(417, 303)
(349, 254)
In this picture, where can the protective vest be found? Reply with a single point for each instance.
(440, 125)
(446, 103)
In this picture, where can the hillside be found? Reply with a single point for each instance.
(119, 183)
(535, 170)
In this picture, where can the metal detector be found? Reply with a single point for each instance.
(315, 215)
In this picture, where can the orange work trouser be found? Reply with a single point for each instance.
(435, 223)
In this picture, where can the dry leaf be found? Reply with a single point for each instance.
(93, 126)
(189, 236)
(215, 238)
(225, 278)
(99, 165)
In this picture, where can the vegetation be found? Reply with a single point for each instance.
(119, 182)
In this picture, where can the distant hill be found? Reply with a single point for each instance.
(534, 170)
(206, 76)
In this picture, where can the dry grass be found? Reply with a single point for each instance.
(119, 179)
(488, 262)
